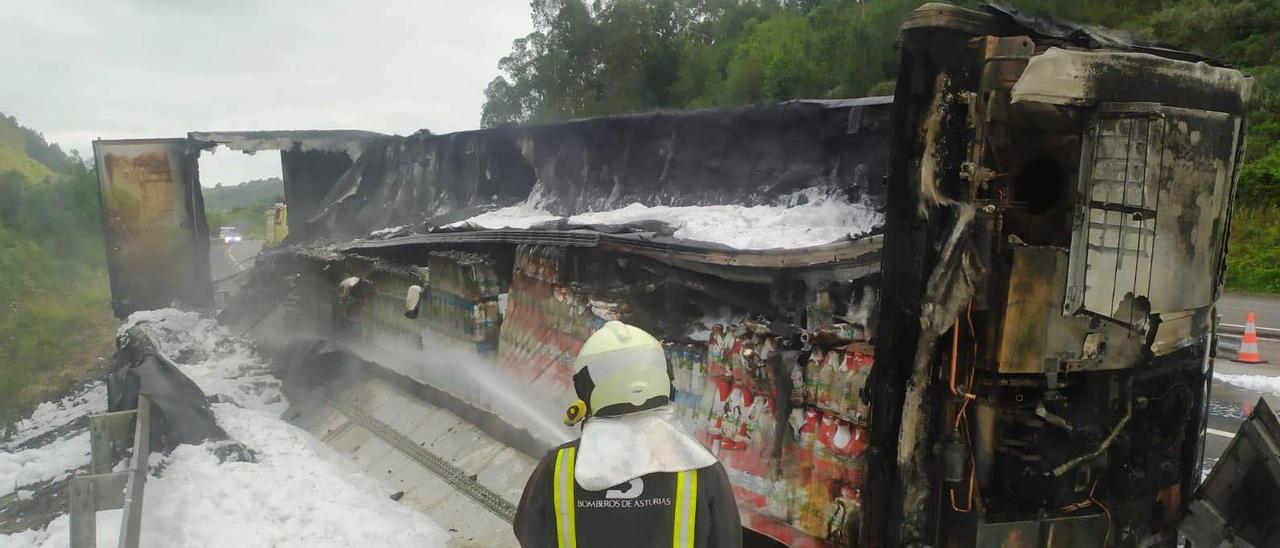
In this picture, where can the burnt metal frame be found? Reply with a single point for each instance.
(103, 489)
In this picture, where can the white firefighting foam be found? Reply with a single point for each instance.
(53, 461)
(55, 458)
(54, 415)
(803, 219)
(298, 493)
(1257, 383)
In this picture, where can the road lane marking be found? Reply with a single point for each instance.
(1217, 432)
(234, 260)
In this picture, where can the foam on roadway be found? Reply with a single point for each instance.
(296, 492)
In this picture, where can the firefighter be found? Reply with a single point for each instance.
(634, 477)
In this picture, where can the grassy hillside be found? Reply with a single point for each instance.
(55, 319)
(258, 193)
(1254, 257)
(13, 152)
(242, 206)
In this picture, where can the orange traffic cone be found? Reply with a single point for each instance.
(1249, 344)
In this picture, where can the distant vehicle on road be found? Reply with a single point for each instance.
(229, 234)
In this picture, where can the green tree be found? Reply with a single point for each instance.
(628, 55)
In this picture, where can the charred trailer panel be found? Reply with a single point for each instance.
(726, 156)
(769, 349)
(153, 216)
(1056, 225)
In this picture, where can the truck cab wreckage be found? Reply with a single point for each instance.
(1013, 348)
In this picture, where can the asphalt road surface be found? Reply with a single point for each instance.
(228, 259)
(1233, 307)
(1228, 405)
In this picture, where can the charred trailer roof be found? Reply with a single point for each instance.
(742, 156)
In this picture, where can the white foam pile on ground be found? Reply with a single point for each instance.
(298, 493)
(222, 366)
(52, 415)
(806, 218)
(55, 460)
(1257, 383)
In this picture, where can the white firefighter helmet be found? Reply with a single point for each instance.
(621, 369)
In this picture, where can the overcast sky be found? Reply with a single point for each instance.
(153, 68)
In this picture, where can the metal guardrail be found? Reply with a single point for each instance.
(103, 489)
(1229, 335)
(1264, 333)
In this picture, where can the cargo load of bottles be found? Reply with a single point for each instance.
(546, 321)
(461, 301)
(371, 299)
(387, 318)
(785, 415)
(784, 412)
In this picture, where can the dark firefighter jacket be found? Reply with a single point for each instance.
(644, 512)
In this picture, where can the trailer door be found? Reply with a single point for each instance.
(153, 216)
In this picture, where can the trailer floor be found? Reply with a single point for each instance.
(460, 477)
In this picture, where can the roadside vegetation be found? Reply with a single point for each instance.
(243, 206)
(55, 317)
(588, 58)
(1255, 250)
(250, 221)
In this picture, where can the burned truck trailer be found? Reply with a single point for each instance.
(1006, 342)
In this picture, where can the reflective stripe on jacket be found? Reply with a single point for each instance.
(688, 509)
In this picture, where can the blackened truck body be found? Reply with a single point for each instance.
(1014, 349)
